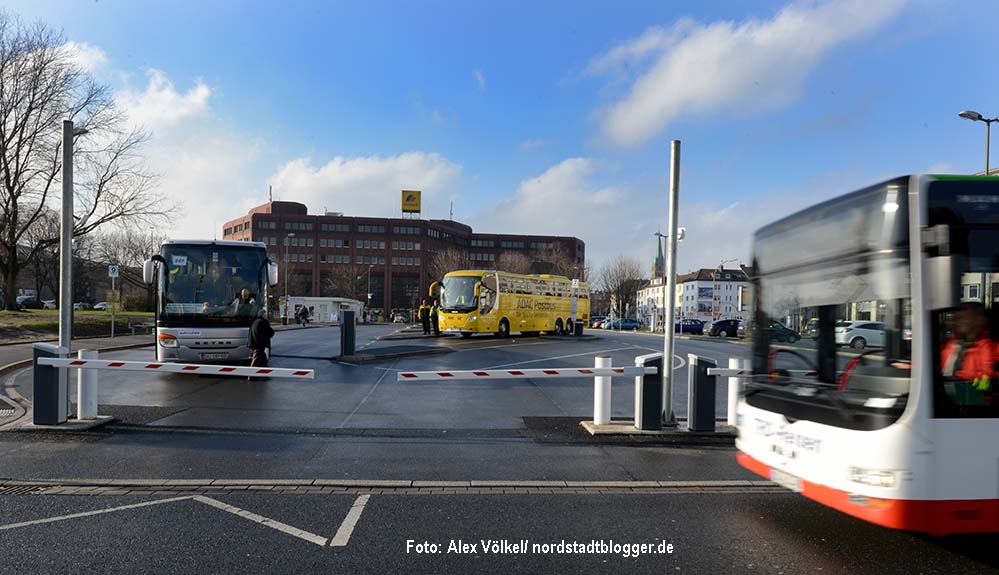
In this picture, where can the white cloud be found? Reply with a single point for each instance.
(480, 80)
(532, 144)
(753, 65)
(89, 58)
(160, 105)
(368, 186)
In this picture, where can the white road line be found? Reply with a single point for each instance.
(370, 391)
(265, 521)
(91, 513)
(557, 357)
(349, 522)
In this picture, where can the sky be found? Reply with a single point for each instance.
(541, 117)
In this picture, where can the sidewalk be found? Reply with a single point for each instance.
(19, 352)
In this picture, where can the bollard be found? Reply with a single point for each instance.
(348, 334)
(602, 393)
(648, 391)
(50, 386)
(700, 394)
(86, 388)
(734, 387)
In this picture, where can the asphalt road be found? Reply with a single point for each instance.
(356, 423)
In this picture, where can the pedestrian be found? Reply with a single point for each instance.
(435, 319)
(424, 314)
(305, 316)
(261, 333)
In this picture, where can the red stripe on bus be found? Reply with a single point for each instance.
(934, 517)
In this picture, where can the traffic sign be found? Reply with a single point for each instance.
(112, 271)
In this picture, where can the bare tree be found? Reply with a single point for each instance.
(556, 260)
(621, 278)
(514, 262)
(346, 280)
(42, 85)
(128, 248)
(447, 260)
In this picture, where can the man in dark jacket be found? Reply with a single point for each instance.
(435, 319)
(425, 317)
(261, 333)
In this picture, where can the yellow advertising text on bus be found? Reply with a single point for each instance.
(479, 301)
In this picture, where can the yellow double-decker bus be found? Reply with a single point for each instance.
(479, 301)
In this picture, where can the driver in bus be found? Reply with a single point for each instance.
(971, 355)
(244, 304)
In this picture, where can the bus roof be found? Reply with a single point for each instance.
(213, 243)
(508, 274)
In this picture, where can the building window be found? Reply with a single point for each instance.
(483, 243)
(512, 244)
(406, 230)
(335, 227)
(308, 258)
(370, 229)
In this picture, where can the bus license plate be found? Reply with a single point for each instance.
(214, 356)
(785, 480)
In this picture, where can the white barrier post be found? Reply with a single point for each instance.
(602, 393)
(734, 383)
(86, 388)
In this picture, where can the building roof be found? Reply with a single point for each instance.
(714, 274)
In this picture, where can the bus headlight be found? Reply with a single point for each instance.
(471, 318)
(875, 477)
(167, 340)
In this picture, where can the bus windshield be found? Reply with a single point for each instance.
(458, 294)
(831, 339)
(223, 284)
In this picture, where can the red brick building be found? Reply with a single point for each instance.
(395, 252)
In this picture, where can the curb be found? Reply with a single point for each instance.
(367, 358)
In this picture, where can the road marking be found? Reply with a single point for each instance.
(265, 521)
(370, 391)
(92, 513)
(349, 522)
(559, 357)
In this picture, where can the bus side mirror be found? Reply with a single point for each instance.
(272, 274)
(147, 271)
(942, 283)
(435, 289)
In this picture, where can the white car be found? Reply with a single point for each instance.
(101, 306)
(49, 304)
(860, 334)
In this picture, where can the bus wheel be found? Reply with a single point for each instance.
(504, 328)
(558, 326)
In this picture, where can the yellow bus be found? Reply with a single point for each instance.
(480, 301)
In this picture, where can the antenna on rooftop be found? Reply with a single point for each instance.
(270, 193)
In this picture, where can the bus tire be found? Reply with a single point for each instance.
(504, 328)
(558, 326)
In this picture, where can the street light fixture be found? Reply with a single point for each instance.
(369, 285)
(976, 117)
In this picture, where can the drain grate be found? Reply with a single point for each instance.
(22, 489)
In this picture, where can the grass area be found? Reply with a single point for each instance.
(35, 324)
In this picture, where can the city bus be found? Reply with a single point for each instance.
(478, 301)
(903, 435)
(206, 294)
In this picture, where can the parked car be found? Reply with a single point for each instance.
(596, 319)
(811, 328)
(623, 324)
(400, 317)
(28, 302)
(778, 332)
(80, 305)
(860, 334)
(724, 328)
(101, 306)
(689, 325)
(49, 304)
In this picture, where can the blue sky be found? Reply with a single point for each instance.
(542, 117)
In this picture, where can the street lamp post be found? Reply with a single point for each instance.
(368, 293)
(976, 117)
(287, 242)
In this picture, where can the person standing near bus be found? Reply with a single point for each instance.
(424, 314)
(261, 333)
(435, 319)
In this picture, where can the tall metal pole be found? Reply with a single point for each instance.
(988, 125)
(669, 419)
(66, 240)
